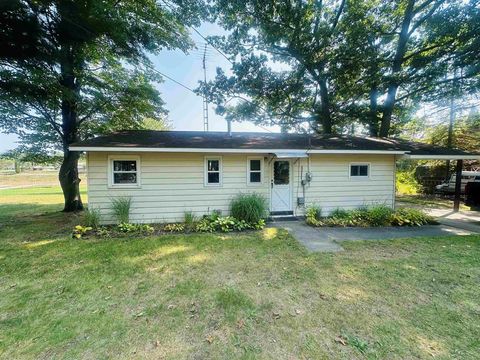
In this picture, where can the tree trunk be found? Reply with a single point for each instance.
(68, 174)
(394, 83)
(70, 181)
(325, 111)
(373, 119)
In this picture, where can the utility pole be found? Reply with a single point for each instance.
(452, 119)
(205, 100)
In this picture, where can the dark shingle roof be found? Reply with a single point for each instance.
(250, 140)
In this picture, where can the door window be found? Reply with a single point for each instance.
(281, 172)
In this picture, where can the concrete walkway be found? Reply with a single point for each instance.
(466, 220)
(327, 239)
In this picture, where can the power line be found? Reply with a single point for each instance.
(171, 79)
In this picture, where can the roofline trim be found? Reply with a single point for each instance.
(443, 157)
(235, 151)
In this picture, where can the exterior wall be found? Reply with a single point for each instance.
(172, 183)
(332, 187)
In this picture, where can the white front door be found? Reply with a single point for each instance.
(281, 186)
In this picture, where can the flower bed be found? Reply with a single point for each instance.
(373, 216)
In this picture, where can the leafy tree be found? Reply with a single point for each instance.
(72, 69)
(286, 56)
(323, 65)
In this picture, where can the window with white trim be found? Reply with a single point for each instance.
(359, 170)
(213, 171)
(254, 172)
(124, 171)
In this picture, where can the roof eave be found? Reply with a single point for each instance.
(237, 150)
(443, 157)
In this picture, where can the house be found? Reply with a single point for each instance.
(166, 173)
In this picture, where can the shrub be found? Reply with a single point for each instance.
(406, 184)
(313, 213)
(379, 215)
(411, 217)
(121, 209)
(204, 225)
(135, 228)
(91, 218)
(339, 213)
(249, 207)
(189, 220)
(79, 231)
(176, 227)
(227, 224)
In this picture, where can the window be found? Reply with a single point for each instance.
(359, 170)
(124, 172)
(281, 172)
(254, 172)
(213, 171)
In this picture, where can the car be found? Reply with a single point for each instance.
(449, 187)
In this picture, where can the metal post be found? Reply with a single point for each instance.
(458, 185)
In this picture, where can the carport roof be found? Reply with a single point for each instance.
(251, 142)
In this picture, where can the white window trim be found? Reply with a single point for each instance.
(261, 170)
(205, 171)
(113, 158)
(359, 177)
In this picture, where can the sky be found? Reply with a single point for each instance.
(185, 108)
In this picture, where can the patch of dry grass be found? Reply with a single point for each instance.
(253, 295)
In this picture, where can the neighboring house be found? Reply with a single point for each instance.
(166, 173)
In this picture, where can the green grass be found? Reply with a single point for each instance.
(33, 200)
(251, 295)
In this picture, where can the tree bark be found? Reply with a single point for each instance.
(394, 83)
(68, 175)
(325, 111)
(70, 182)
(373, 108)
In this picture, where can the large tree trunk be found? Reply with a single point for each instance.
(70, 181)
(68, 174)
(325, 111)
(394, 83)
(373, 109)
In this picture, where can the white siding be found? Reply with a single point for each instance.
(331, 186)
(172, 183)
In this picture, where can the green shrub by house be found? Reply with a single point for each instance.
(374, 216)
(249, 207)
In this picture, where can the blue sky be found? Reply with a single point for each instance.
(185, 108)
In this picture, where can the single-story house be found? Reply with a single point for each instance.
(167, 173)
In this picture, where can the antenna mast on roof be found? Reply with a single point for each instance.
(205, 100)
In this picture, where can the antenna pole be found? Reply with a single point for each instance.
(205, 100)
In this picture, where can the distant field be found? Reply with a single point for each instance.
(33, 200)
(33, 178)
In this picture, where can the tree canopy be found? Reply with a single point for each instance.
(71, 69)
(324, 65)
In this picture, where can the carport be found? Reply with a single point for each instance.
(428, 152)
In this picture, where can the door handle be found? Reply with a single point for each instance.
(271, 183)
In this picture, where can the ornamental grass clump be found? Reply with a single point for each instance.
(121, 209)
(249, 207)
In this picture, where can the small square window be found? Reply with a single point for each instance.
(213, 171)
(124, 172)
(213, 177)
(255, 177)
(359, 170)
(254, 174)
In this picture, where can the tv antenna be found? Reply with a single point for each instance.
(205, 100)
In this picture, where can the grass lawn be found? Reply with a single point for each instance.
(255, 295)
